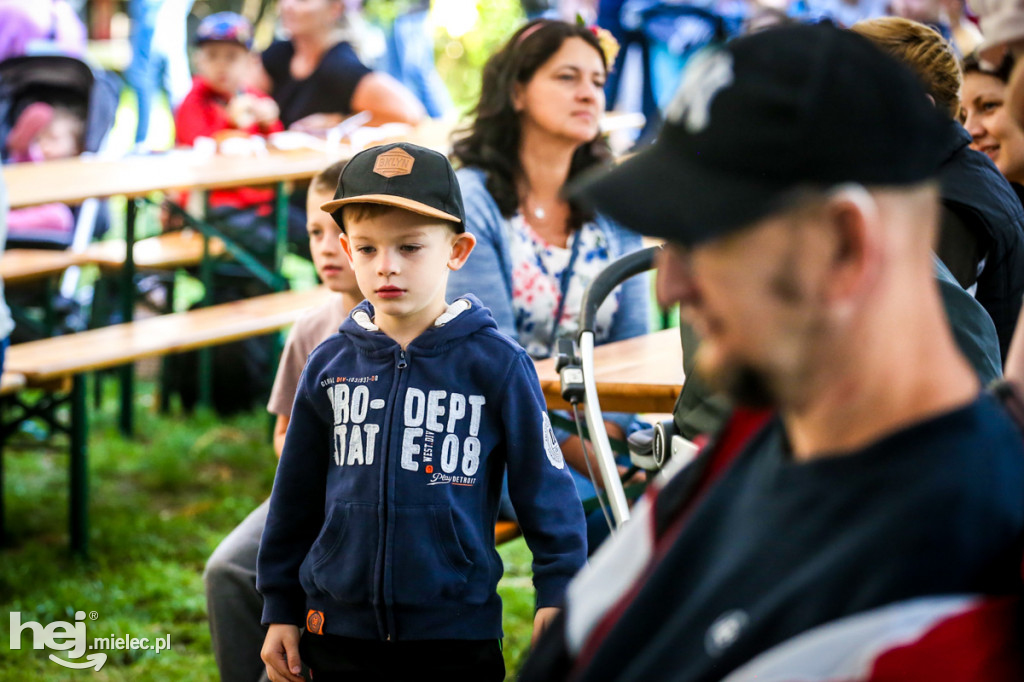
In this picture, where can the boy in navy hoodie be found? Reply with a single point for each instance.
(380, 534)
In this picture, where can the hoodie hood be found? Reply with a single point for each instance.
(466, 315)
(956, 138)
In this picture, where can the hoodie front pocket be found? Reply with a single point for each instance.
(430, 562)
(341, 560)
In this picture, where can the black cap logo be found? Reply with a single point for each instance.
(394, 162)
(708, 73)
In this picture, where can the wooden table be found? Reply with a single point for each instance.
(642, 374)
(72, 181)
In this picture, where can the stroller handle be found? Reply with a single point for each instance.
(612, 276)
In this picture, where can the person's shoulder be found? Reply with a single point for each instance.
(197, 95)
(277, 59)
(198, 88)
(320, 322)
(477, 198)
(502, 355)
(991, 421)
(277, 50)
(971, 459)
(342, 50)
(342, 57)
(331, 350)
(471, 179)
(977, 437)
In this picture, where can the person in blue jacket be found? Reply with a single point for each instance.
(380, 534)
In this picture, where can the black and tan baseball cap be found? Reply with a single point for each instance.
(757, 120)
(403, 175)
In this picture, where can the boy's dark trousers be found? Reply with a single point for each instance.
(330, 657)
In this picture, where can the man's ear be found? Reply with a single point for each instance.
(852, 215)
(345, 245)
(462, 246)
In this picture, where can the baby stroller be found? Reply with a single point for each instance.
(69, 83)
(651, 450)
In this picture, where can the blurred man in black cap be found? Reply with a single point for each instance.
(871, 522)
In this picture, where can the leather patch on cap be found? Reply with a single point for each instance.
(315, 622)
(394, 162)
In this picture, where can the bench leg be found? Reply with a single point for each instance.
(127, 313)
(281, 196)
(79, 469)
(205, 364)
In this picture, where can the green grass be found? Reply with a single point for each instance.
(160, 503)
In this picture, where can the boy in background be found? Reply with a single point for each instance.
(380, 533)
(219, 106)
(233, 604)
(219, 100)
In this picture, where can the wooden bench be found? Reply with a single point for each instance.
(169, 251)
(27, 265)
(50, 363)
(66, 356)
(11, 383)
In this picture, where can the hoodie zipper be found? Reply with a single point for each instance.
(400, 365)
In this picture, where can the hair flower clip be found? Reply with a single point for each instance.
(609, 45)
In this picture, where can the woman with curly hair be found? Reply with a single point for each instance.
(536, 128)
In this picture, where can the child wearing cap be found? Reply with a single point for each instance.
(220, 106)
(219, 101)
(380, 533)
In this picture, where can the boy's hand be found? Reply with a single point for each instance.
(241, 111)
(281, 653)
(544, 617)
(266, 111)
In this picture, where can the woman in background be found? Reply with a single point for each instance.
(536, 128)
(987, 118)
(317, 79)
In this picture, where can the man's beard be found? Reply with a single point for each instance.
(743, 384)
(749, 387)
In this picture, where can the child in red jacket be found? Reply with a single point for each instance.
(219, 105)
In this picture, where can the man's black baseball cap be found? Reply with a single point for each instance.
(403, 175)
(796, 107)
